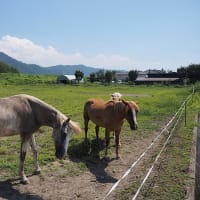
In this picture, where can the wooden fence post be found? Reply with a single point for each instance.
(185, 113)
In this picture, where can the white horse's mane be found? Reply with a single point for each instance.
(61, 117)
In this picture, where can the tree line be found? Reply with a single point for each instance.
(109, 76)
(190, 73)
(5, 68)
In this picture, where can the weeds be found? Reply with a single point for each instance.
(157, 103)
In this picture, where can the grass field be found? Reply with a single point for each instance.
(157, 104)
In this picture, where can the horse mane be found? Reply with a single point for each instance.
(75, 126)
(134, 104)
(60, 116)
(119, 107)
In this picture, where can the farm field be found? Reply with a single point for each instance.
(84, 173)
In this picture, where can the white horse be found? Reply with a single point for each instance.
(116, 96)
(23, 114)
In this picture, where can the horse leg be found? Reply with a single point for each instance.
(35, 155)
(86, 120)
(97, 133)
(24, 145)
(107, 137)
(118, 140)
(117, 143)
(114, 134)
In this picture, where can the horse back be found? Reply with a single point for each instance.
(101, 113)
(15, 115)
(94, 104)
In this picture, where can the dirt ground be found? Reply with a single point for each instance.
(94, 183)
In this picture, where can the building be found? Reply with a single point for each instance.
(121, 76)
(66, 79)
(156, 76)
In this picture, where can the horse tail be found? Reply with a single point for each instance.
(85, 111)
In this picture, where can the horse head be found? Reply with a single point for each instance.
(131, 113)
(116, 96)
(61, 137)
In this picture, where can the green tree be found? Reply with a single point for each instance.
(182, 72)
(108, 76)
(79, 75)
(92, 77)
(191, 72)
(113, 75)
(100, 75)
(132, 75)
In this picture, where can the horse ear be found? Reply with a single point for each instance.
(68, 120)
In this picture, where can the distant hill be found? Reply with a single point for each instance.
(36, 69)
(70, 69)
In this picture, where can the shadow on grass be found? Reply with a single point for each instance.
(8, 191)
(88, 152)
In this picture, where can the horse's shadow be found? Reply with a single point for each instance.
(88, 152)
(8, 191)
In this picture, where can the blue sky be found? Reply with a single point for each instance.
(110, 34)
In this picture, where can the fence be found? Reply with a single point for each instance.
(170, 127)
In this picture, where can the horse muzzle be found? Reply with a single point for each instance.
(134, 127)
(60, 153)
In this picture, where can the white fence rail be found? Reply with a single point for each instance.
(175, 119)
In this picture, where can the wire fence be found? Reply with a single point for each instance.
(169, 128)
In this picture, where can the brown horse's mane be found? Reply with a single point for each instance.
(119, 106)
(134, 105)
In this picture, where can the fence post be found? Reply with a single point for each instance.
(197, 167)
(193, 91)
(185, 113)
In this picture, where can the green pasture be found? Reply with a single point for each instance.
(157, 104)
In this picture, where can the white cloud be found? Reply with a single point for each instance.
(27, 51)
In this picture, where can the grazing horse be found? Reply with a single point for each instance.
(110, 115)
(23, 114)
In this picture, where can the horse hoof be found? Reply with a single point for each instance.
(86, 142)
(106, 158)
(36, 172)
(25, 181)
(118, 157)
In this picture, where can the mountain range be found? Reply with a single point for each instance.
(37, 69)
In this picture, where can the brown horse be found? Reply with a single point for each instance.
(110, 115)
(24, 114)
